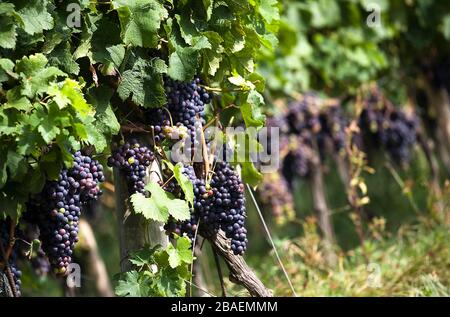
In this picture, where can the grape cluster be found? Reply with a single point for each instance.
(385, 126)
(185, 101)
(283, 139)
(217, 205)
(275, 196)
(297, 161)
(308, 124)
(315, 123)
(132, 159)
(17, 274)
(57, 209)
(12, 261)
(332, 123)
(303, 115)
(400, 136)
(227, 206)
(85, 176)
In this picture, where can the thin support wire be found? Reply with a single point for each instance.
(271, 240)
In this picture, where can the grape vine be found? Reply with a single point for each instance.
(12, 261)
(69, 90)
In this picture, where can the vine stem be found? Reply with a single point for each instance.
(11, 242)
(7, 268)
(356, 167)
(239, 272)
(216, 118)
(167, 181)
(129, 129)
(205, 153)
(271, 240)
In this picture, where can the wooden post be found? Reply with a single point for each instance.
(321, 208)
(97, 267)
(134, 230)
(439, 101)
(434, 171)
(200, 289)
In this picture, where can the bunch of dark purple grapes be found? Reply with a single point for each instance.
(332, 129)
(303, 115)
(400, 136)
(185, 102)
(217, 205)
(57, 209)
(12, 261)
(317, 124)
(275, 196)
(227, 206)
(86, 174)
(274, 190)
(279, 122)
(386, 126)
(132, 159)
(310, 124)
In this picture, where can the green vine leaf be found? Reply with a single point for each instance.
(186, 185)
(184, 60)
(17, 166)
(184, 250)
(181, 253)
(140, 21)
(160, 272)
(35, 76)
(8, 21)
(62, 58)
(17, 101)
(269, 10)
(148, 208)
(132, 285)
(34, 15)
(170, 283)
(251, 110)
(250, 174)
(143, 256)
(143, 83)
(6, 69)
(159, 205)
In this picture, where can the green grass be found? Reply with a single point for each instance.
(413, 262)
